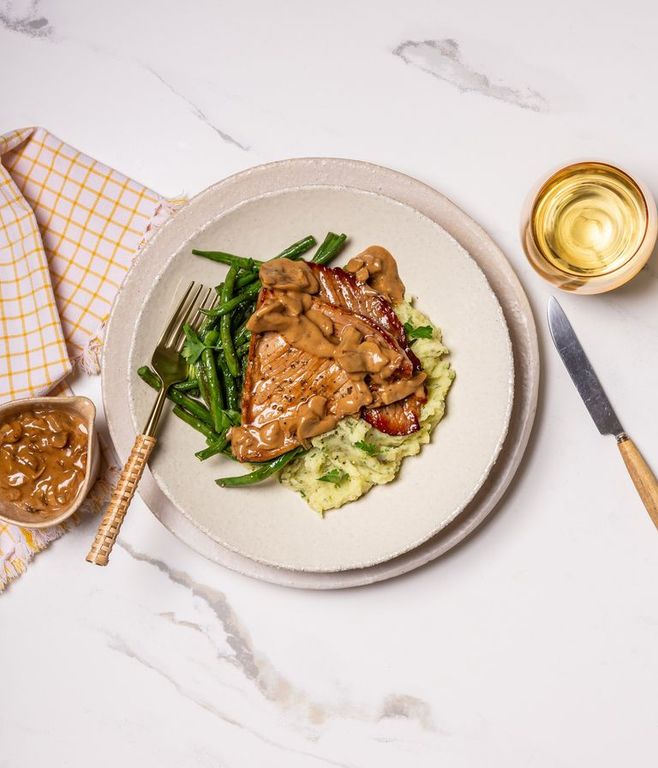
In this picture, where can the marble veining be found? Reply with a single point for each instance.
(198, 112)
(260, 671)
(165, 658)
(408, 707)
(26, 19)
(443, 59)
(119, 645)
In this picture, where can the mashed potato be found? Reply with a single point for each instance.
(355, 469)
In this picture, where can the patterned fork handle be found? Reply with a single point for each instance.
(170, 367)
(108, 530)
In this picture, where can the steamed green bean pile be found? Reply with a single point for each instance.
(209, 400)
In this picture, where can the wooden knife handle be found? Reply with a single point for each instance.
(641, 475)
(108, 530)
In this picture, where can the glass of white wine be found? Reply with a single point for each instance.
(589, 227)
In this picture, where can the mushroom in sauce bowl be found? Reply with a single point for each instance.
(49, 459)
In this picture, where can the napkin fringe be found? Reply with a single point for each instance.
(12, 569)
(26, 544)
(90, 357)
(33, 162)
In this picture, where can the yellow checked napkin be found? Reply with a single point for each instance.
(69, 229)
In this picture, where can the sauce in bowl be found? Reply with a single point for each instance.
(43, 459)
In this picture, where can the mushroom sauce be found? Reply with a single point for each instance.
(43, 459)
(373, 363)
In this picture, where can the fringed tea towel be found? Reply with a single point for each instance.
(69, 229)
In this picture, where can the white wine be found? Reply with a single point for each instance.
(589, 219)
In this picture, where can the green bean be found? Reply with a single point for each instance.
(215, 394)
(213, 449)
(193, 406)
(331, 246)
(240, 316)
(228, 258)
(186, 386)
(209, 322)
(230, 387)
(203, 380)
(211, 338)
(242, 335)
(197, 424)
(225, 307)
(324, 246)
(221, 378)
(179, 398)
(226, 421)
(246, 279)
(262, 473)
(298, 249)
(239, 299)
(243, 349)
(251, 287)
(294, 251)
(225, 324)
(234, 417)
(231, 355)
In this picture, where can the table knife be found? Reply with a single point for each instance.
(596, 401)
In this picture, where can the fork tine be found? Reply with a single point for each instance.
(192, 307)
(173, 322)
(207, 302)
(197, 315)
(215, 299)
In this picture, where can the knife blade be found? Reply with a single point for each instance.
(581, 371)
(597, 403)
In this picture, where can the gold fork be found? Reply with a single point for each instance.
(171, 368)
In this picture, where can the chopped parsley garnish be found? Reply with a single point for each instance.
(370, 448)
(335, 476)
(418, 332)
(193, 346)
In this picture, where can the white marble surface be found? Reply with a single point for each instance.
(532, 645)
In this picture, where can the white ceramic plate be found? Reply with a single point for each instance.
(437, 207)
(270, 523)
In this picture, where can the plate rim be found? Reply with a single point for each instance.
(404, 187)
(396, 550)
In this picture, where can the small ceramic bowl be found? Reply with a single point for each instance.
(84, 408)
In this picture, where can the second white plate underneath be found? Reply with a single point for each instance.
(269, 523)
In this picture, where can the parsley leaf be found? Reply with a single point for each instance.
(335, 476)
(418, 332)
(370, 448)
(193, 346)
